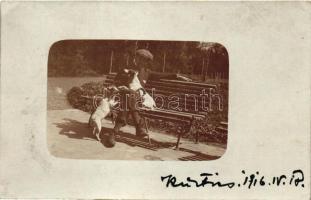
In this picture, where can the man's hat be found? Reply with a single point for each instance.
(144, 53)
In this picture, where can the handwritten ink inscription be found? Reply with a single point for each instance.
(296, 179)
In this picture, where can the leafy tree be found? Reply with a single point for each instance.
(96, 57)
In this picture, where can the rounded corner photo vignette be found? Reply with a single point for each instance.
(137, 100)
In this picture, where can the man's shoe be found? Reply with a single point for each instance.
(111, 140)
(141, 133)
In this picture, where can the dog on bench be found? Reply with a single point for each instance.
(134, 84)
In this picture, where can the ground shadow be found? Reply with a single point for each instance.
(81, 130)
(197, 156)
(75, 129)
(134, 141)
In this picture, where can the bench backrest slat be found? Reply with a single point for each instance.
(167, 88)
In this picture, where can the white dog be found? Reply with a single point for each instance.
(147, 100)
(102, 110)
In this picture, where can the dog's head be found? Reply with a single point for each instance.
(125, 77)
(135, 83)
(110, 95)
(104, 102)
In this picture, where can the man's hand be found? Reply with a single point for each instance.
(123, 88)
(113, 88)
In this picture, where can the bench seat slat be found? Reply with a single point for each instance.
(190, 83)
(169, 118)
(221, 128)
(171, 112)
(173, 90)
(172, 84)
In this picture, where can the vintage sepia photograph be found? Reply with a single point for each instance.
(94, 95)
(137, 100)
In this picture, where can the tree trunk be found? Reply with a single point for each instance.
(164, 63)
(127, 60)
(111, 59)
(136, 46)
(202, 72)
(207, 61)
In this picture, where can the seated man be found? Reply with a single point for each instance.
(142, 64)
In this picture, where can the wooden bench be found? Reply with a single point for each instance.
(162, 90)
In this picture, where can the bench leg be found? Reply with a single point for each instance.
(197, 137)
(113, 117)
(146, 126)
(188, 129)
(177, 143)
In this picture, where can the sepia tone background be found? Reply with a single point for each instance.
(269, 106)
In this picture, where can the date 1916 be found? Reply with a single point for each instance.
(295, 178)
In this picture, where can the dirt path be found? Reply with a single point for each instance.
(70, 137)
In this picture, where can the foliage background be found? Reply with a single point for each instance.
(98, 57)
